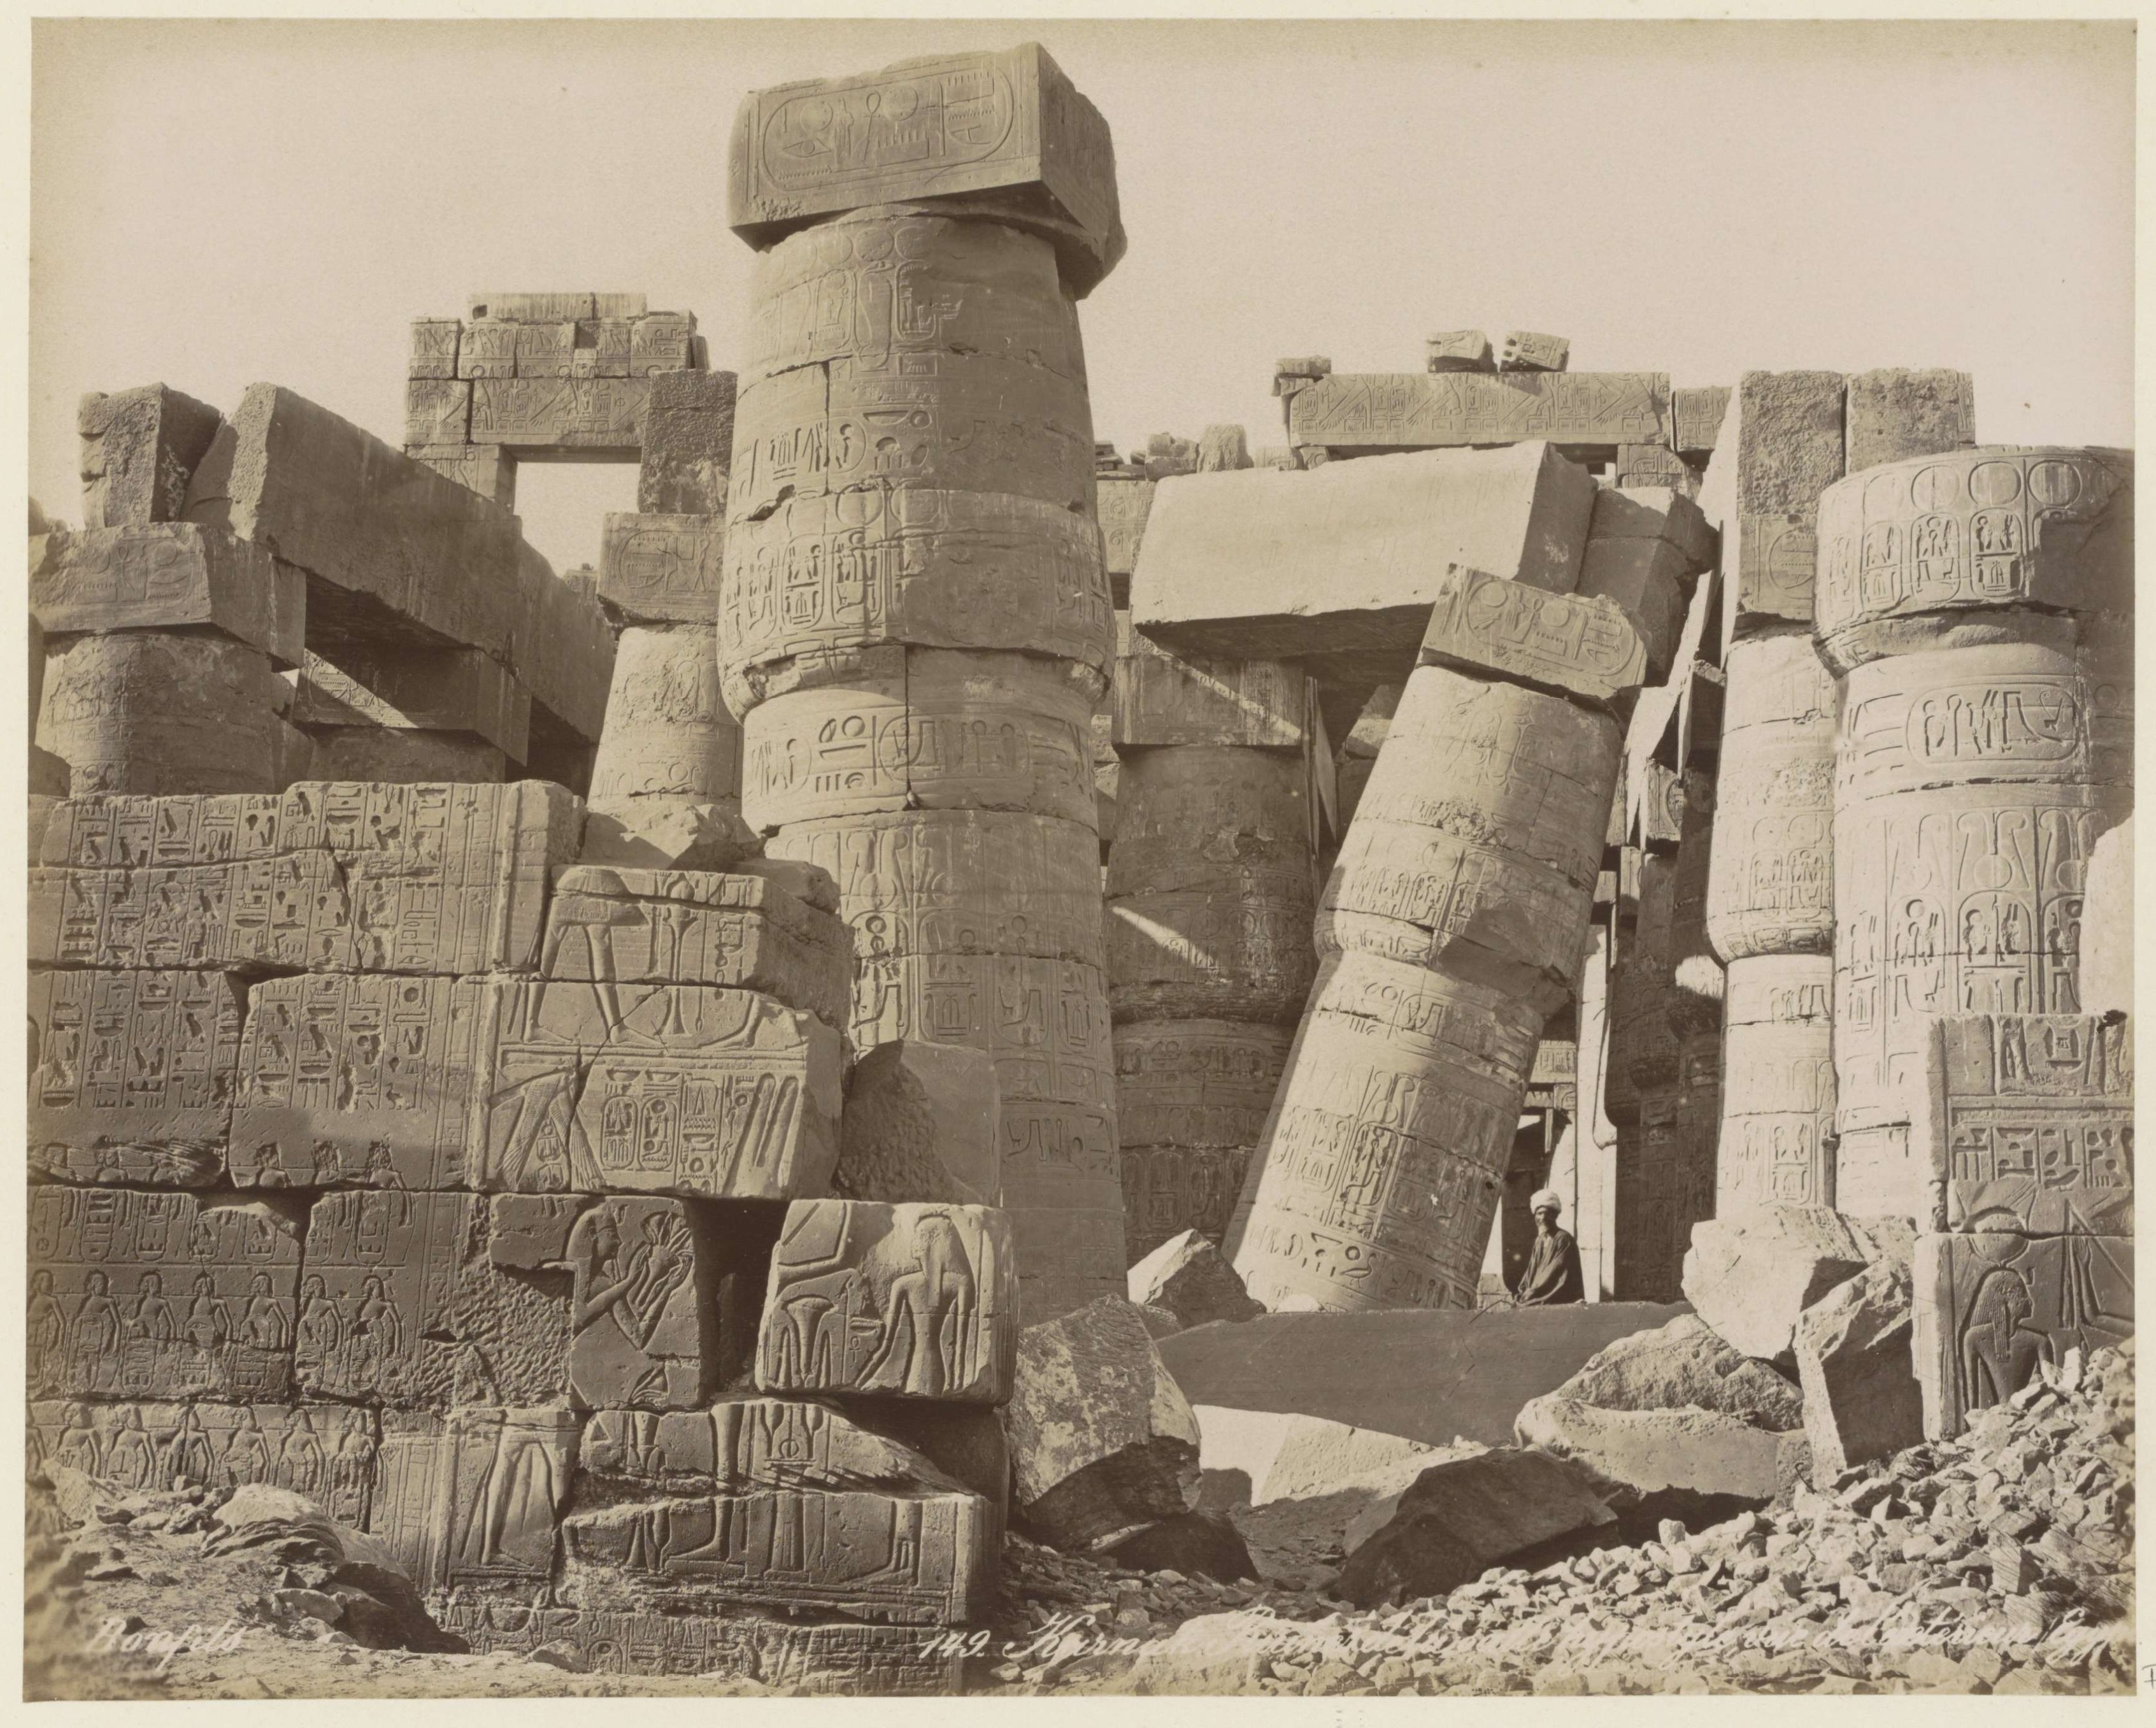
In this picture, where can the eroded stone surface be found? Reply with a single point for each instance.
(1582, 646)
(921, 1124)
(153, 712)
(1393, 410)
(169, 575)
(470, 1503)
(1778, 1088)
(1897, 411)
(140, 449)
(1750, 1279)
(1187, 1275)
(326, 1451)
(1685, 1364)
(1861, 1401)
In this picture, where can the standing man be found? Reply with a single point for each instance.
(1553, 1273)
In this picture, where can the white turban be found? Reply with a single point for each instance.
(1545, 1197)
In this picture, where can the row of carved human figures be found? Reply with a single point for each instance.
(340, 1471)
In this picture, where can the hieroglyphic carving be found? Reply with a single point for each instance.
(657, 568)
(618, 924)
(654, 1089)
(887, 563)
(1382, 410)
(566, 413)
(102, 1324)
(1006, 123)
(167, 576)
(1993, 1304)
(1191, 1099)
(152, 712)
(470, 1503)
(1996, 526)
(2028, 1126)
(1241, 949)
(923, 728)
(1778, 1088)
(1162, 699)
(1583, 646)
(400, 1303)
(326, 1451)
(131, 1075)
(905, 1301)
(643, 1332)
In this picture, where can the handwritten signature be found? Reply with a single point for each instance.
(114, 1637)
(1063, 1637)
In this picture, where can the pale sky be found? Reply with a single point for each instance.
(215, 204)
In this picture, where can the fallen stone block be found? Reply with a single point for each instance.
(916, 1116)
(1103, 1441)
(910, 1302)
(1654, 1451)
(1339, 569)
(169, 575)
(1581, 646)
(1042, 159)
(1461, 1517)
(1685, 1364)
(1527, 351)
(1358, 413)
(1861, 1400)
(140, 449)
(1750, 1278)
(102, 1324)
(1199, 1544)
(132, 1075)
(1458, 351)
(1188, 1276)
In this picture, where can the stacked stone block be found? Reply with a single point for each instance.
(1211, 886)
(914, 623)
(1451, 927)
(161, 640)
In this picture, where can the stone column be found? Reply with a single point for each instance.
(1451, 925)
(1211, 885)
(1976, 606)
(914, 625)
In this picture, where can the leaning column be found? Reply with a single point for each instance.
(914, 626)
(1451, 926)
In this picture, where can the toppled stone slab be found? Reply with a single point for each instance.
(1339, 568)
(1187, 1276)
(917, 1115)
(167, 576)
(905, 1301)
(1861, 1400)
(132, 1075)
(1458, 351)
(1461, 1517)
(1527, 351)
(1002, 134)
(1750, 1278)
(1102, 1440)
(1653, 1452)
(1685, 1364)
(140, 449)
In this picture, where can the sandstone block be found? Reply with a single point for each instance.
(1191, 1100)
(1770, 883)
(1010, 136)
(486, 348)
(1527, 351)
(434, 348)
(957, 882)
(922, 729)
(1458, 351)
(1862, 1401)
(326, 1451)
(1778, 1088)
(1368, 412)
(1992, 1305)
(400, 1303)
(1581, 647)
(885, 563)
(324, 876)
(562, 647)
(1699, 412)
(381, 532)
(1187, 1275)
(1162, 699)
(1223, 449)
(1685, 1364)
(1651, 581)
(1999, 526)
(892, 290)
(1650, 1452)
(1210, 817)
(667, 733)
(1465, 1516)
(471, 1503)
(643, 1313)
(457, 689)
(1101, 1439)
(910, 1302)
(2106, 968)
(1123, 505)
(2027, 1124)
(1780, 446)
(688, 443)
(529, 1232)
(404, 758)
(132, 1075)
(102, 1324)
(1749, 1278)
(543, 349)
(1236, 949)
(140, 449)
(166, 576)
(1641, 466)
(671, 831)
(609, 923)
(1402, 1083)
(921, 1124)
(1897, 412)
(660, 341)
(1340, 569)
(437, 410)
(484, 469)
(600, 419)
(661, 569)
(145, 712)
(966, 423)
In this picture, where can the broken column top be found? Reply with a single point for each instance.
(1005, 132)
